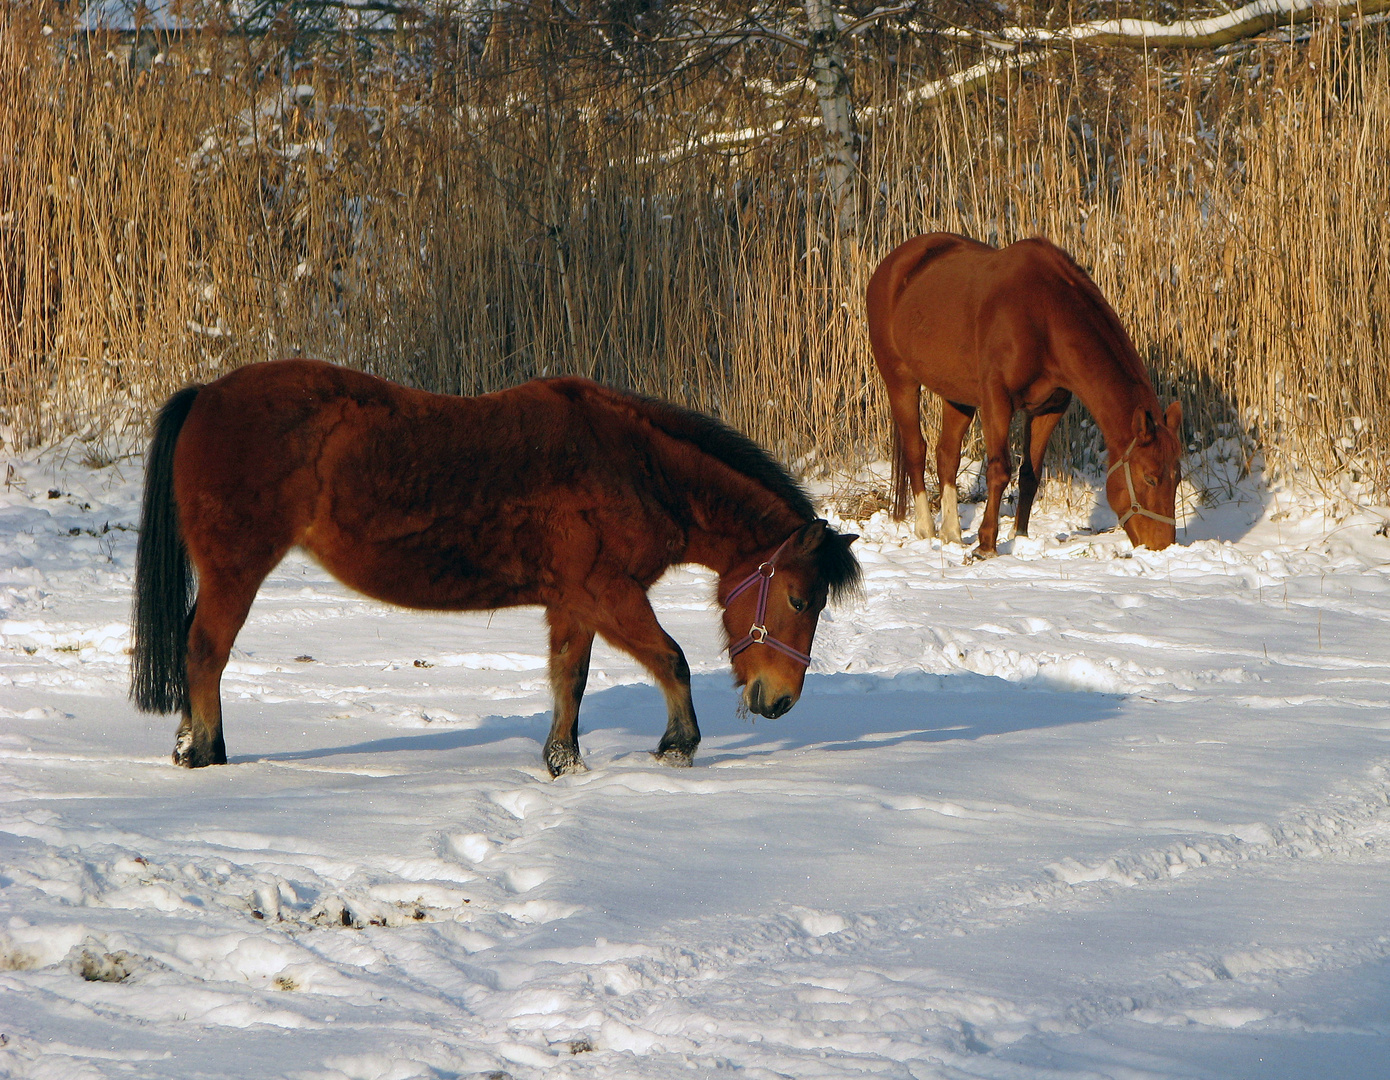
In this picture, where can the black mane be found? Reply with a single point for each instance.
(729, 446)
(837, 566)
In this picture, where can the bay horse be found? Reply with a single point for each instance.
(559, 492)
(999, 331)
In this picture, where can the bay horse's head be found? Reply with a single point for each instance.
(1142, 484)
(772, 603)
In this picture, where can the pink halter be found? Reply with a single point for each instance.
(758, 634)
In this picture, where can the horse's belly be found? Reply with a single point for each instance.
(958, 381)
(430, 572)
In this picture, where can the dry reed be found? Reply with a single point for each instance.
(463, 233)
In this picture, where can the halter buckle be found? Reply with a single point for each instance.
(758, 633)
(1134, 507)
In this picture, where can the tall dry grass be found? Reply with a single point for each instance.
(1235, 214)
(462, 230)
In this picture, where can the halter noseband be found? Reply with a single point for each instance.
(758, 634)
(1134, 507)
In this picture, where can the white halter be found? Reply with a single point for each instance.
(1134, 507)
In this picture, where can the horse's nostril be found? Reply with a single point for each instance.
(766, 706)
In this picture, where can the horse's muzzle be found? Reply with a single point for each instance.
(762, 703)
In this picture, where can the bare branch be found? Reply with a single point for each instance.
(864, 22)
(962, 82)
(1025, 45)
(733, 35)
(1244, 22)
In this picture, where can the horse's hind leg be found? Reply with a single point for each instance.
(222, 606)
(628, 622)
(910, 460)
(1040, 427)
(955, 422)
(571, 642)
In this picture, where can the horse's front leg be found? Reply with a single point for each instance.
(571, 643)
(682, 735)
(628, 622)
(1030, 470)
(994, 420)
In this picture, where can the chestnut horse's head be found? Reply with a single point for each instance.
(772, 604)
(1142, 484)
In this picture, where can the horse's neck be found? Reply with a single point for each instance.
(731, 526)
(1111, 393)
(729, 514)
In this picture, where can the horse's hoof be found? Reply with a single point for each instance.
(563, 760)
(187, 755)
(923, 523)
(980, 554)
(676, 759)
(183, 750)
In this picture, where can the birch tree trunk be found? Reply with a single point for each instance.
(836, 109)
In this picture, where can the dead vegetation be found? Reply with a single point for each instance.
(462, 225)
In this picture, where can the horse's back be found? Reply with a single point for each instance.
(922, 305)
(247, 455)
(949, 312)
(908, 261)
(419, 499)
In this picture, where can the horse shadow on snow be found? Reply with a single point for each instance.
(837, 713)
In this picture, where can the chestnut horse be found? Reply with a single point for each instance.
(560, 493)
(1003, 330)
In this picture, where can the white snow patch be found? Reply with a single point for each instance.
(1046, 815)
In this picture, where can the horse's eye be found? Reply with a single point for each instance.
(1152, 481)
(797, 603)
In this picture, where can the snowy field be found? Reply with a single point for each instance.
(1074, 812)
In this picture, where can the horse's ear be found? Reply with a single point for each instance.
(810, 535)
(848, 538)
(1144, 427)
(1172, 419)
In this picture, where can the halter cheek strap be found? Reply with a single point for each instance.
(758, 634)
(1134, 507)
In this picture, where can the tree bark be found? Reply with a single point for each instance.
(837, 111)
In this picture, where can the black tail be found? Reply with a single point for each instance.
(163, 578)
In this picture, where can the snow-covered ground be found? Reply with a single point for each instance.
(1072, 812)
